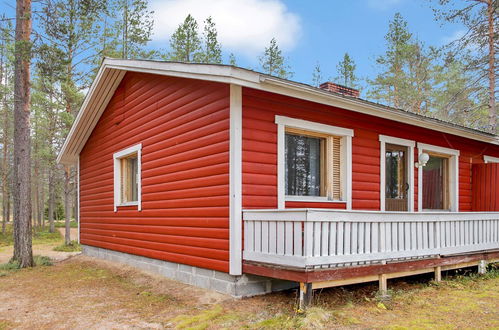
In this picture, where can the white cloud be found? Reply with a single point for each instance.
(244, 26)
(383, 4)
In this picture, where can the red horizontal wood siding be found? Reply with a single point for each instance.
(260, 150)
(486, 187)
(183, 126)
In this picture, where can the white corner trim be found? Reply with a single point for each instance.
(313, 126)
(235, 182)
(78, 195)
(490, 159)
(116, 162)
(384, 139)
(453, 174)
(281, 169)
(346, 150)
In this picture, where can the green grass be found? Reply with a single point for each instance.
(13, 266)
(40, 236)
(73, 246)
(62, 224)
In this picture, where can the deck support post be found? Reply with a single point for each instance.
(383, 284)
(482, 267)
(305, 295)
(438, 274)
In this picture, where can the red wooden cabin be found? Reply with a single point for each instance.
(212, 174)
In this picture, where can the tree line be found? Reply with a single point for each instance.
(50, 57)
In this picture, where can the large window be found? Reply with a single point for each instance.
(314, 162)
(127, 178)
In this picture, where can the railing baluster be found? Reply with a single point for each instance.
(288, 238)
(324, 239)
(298, 238)
(309, 239)
(332, 238)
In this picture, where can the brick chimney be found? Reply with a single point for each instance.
(332, 87)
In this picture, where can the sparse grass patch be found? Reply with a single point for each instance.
(62, 224)
(4, 325)
(45, 237)
(198, 321)
(73, 246)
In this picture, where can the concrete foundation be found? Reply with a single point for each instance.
(236, 286)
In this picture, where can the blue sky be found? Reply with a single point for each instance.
(308, 31)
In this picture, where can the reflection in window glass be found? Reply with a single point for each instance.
(434, 190)
(303, 165)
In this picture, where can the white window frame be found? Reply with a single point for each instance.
(490, 159)
(453, 175)
(117, 156)
(384, 139)
(346, 135)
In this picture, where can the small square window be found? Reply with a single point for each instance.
(127, 177)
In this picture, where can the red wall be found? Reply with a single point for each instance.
(183, 126)
(260, 150)
(486, 184)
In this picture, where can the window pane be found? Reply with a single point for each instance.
(303, 165)
(395, 174)
(434, 183)
(129, 186)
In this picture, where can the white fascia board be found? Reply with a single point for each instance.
(241, 77)
(312, 94)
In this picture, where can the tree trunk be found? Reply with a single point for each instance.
(492, 76)
(67, 204)
(51, 201)
(23, 252)
(5, 142)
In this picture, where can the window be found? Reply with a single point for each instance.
(438, 179)
(314, 162)
(127, 178)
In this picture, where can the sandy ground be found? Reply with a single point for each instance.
(42, 249)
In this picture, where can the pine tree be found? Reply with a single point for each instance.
(232, 59)
(346, 72)
(273, 62)
(481, 18)
(212, 48)
(185, 43)
(317, 75)
(23, 252)
(387, 85)
(127, 29)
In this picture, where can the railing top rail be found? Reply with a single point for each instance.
(362, 216)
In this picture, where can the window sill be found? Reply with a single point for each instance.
(128, 204)
(311, 199)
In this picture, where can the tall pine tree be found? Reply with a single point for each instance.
(212, 48)
(185, 44)
(346, 72)
(273, 62)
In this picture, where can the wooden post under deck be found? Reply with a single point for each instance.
(305, 295)
(438, 274)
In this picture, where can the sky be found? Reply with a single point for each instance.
(308, 32)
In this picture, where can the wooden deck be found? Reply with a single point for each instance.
(321, 248)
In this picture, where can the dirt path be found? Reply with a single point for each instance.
(83, 292)
(43, 249)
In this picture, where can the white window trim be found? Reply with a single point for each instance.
(490, 159)
(346, 156)
(117, 169)
(384, 139)
(453, 175)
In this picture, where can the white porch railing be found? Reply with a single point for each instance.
(313, 238)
